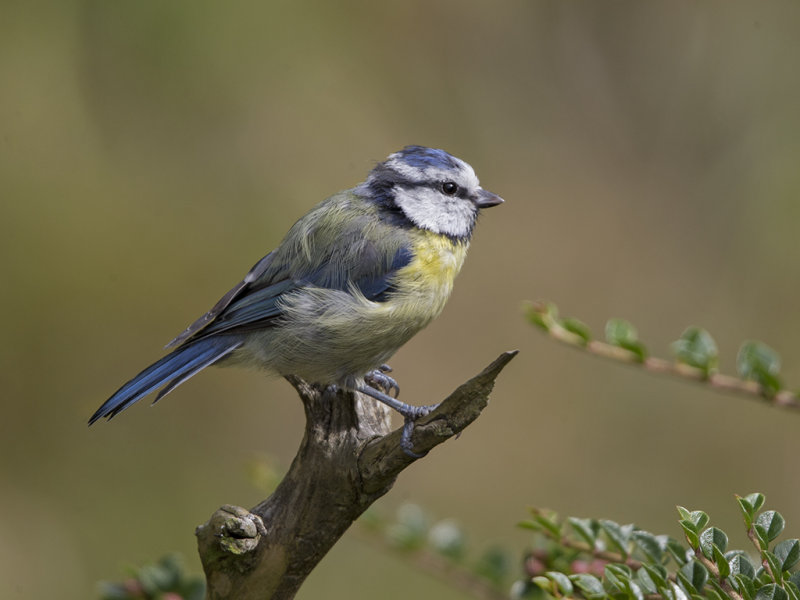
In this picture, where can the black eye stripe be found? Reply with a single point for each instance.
(434, 184)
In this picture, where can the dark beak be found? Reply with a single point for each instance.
(486, 199)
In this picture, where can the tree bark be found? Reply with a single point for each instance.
(348, 459)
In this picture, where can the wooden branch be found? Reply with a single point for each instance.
(348, 459)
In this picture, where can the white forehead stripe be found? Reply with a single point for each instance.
(464, 174)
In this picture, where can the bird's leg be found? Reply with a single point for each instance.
(410, 414)
(379, 378)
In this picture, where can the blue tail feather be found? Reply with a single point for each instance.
(173, 369)
(196, 368)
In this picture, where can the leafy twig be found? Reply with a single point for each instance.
(696, 358)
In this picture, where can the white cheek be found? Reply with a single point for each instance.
(431, 210)
(457, 217)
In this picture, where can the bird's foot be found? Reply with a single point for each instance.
(408, 427)
(379, 378)
(410, 415)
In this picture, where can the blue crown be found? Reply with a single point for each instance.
(421, 157)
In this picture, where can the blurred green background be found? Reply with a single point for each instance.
(151, 152)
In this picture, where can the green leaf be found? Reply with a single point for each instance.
(543, 522)
(667, 593)
(657, 573)
(788, 553)
(542, 314)
(749, 505)
(409, 532)
(685, 583)
(618, 535)
(713, 537)
(646, 582)
(173, 570)
(715, 594)
(716, 585)
(156, 578)
(634, 591)
(586, 529)
(760, 363)
(165, 577)
(108, 590)
(677, 592)
(771, 592)
(618, 576)
(529, 524)
(690, 531)
(795, 578)
(739, 563)
(698, 349)
(620, 332)
(769, 524)
(564, 585)
(648, 545)
(578, 328)
(678, 551)
(721, 562)
(745, 586)
(695, 574)
(195, 590)
(589, 585)
(549, 525)
(762, 576)
(544, 583)
(699, 518)
(696, 517)
(791, 589)
(494, 565)
(756, 500)
(761, 541)
(774, 566)
(448, 539)
(523, 589)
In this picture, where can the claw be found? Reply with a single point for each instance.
(405, 440)
(408, 428)
(379, 378)
(410, 413)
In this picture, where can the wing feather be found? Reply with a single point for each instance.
(341, 244)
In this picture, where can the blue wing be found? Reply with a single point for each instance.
(255, 306)
(254, 274)
(349, 261)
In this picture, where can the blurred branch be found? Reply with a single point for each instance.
(348, 459)
(455, 576)
(763, 384)
(565, 541)
(444, 569)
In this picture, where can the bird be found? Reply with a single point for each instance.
(352, 281)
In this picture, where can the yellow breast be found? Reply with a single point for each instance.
(437, 257)
(424, 285)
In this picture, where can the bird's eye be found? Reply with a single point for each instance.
(450, 188)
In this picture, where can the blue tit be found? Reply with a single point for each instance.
(352, 281)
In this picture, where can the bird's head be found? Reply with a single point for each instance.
(431, 189)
